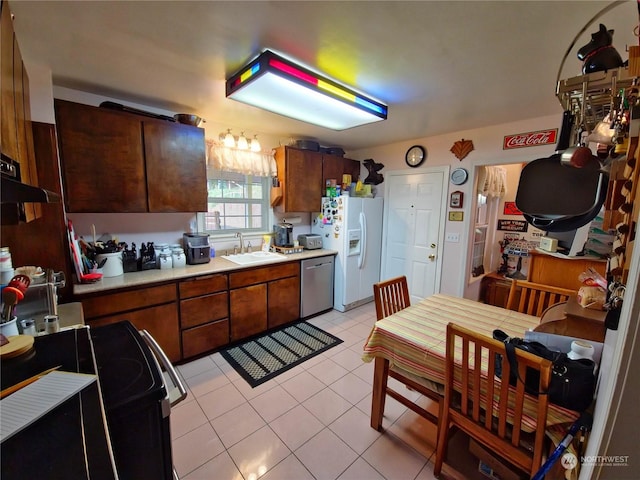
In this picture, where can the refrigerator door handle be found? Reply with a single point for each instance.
(363, 240)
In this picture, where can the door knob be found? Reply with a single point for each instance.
(432, 256)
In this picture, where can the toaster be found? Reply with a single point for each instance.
(310, 241)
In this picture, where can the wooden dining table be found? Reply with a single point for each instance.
(413, 341)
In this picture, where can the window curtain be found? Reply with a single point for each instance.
(492, 182)
(247, 162)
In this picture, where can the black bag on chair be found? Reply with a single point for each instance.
(572, 383)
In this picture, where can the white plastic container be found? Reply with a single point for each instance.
(9, 328)
(113, 266)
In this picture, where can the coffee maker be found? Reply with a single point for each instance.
(196, 248)
(283, 235)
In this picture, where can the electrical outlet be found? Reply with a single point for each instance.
(453, 237)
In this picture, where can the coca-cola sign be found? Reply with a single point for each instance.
(530, 139)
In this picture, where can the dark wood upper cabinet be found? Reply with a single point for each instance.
(300, 175)
(102, 159)
(176, 169)
(333, 167)
(303, 175)
(117, 162)
(16, 136)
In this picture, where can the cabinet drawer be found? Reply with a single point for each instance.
(205, 309)
(205, 338)
(202, 285)
(121, 302)
(262, 275)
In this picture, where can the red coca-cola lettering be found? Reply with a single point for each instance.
(530, 139)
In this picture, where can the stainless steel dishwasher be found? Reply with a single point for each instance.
(316, 292)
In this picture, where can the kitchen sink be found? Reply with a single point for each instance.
(254, 257)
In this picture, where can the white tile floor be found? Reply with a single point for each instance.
(311, 422)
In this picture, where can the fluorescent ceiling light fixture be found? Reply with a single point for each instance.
(278, 85)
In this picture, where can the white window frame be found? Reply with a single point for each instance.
(267, 216)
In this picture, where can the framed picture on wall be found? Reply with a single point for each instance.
(456, 199)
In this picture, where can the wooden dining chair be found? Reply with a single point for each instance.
(535, 298)
(390, 297)
(488, 409)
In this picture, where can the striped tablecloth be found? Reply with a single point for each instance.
(414, 339)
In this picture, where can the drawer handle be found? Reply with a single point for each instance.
(206, 277)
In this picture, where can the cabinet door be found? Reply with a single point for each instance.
(176, 167)
(102, 159)
(248, 311)
(26, 155)
(161, 322)
(352, 167)
(300, 173)
(8, 135)
(334, 167)
(284, 301)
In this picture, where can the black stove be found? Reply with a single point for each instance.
(136, 402)
(71, 441)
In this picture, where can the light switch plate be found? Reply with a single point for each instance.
(453, 237)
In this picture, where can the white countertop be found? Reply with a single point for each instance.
(216, 265)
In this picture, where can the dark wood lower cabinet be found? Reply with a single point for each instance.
(284, 301)
(248, 311)
(198, 315)
(160, 321)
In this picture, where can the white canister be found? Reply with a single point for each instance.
(179, 259)
(165, 260)
(113, 265)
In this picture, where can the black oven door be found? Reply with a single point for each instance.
(136, 400)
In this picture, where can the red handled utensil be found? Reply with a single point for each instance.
(13, 293)
(20, 282)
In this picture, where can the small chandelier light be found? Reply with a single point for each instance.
(255, 144)
(229, 141)
(279, 85)
(242, 143)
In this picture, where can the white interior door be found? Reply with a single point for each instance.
(414, 229)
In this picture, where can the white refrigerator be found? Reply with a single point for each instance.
(353, 227)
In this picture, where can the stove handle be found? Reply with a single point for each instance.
(178, 393)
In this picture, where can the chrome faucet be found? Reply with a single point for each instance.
(239, 235)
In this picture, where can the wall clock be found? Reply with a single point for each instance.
(415, 156)
(459, 176)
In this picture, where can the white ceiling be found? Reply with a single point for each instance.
(440, 66)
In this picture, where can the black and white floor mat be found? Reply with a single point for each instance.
(263, 358)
